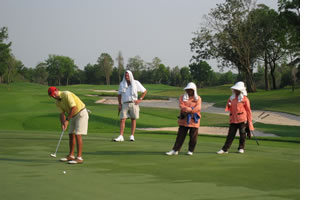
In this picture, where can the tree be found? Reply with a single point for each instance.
(161, 74)
(27, 73)
(201, 73)
(69, 68)
(290, 21)
(93, 74)
(185, 76)
(120, 66)
(229, 36)
(5, 53)
(79, 77)
(175, 76)
(106, 62)
(227, 78)
(40, 74)
(273, 40)
(12, 68)
(135, 65)
(265, 20)
(59, 67)
(115, 76)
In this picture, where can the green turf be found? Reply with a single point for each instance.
(29, 132)
(27, 106)
(140, 170)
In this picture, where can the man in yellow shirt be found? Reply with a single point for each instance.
(72, 110)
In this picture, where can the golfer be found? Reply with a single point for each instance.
(240, 117)
(189, 119)
(72, 110)
(128, 103)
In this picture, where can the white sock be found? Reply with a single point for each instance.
(80, 158)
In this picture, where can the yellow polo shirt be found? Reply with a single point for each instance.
(69, 100)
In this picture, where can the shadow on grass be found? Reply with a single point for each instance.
(113, 153)
(20, 160)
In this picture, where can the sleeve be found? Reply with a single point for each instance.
(182, 105)
(140, 87)
(249, 114)
(197, 108)
(228, 105)
(71, 101)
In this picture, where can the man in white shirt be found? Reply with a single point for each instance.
(128, 103)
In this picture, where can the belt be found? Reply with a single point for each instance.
(129, 102)
(79, 112)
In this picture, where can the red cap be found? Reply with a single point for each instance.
(52, 90)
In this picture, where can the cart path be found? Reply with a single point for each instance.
(277, 118)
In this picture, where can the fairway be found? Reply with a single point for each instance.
(140, 170)
(30, 130)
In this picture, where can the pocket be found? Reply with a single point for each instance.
(137, 107)
(241, 117)
(83, 113)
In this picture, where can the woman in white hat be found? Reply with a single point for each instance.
(189, 119)
(240, 116)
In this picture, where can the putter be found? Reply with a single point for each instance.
(54, 154)
(258, 118)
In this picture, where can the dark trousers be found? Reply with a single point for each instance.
(193, 133)
(232, 133)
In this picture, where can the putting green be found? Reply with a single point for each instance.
(140, 170)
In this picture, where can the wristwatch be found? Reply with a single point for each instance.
(141, 99)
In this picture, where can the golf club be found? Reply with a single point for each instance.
(258, 118)
(54, 154)
(116, 120)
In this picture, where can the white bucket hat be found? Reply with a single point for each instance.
(240, 87)
(190, 86)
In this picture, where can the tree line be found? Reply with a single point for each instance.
(237, 33)
(241, 35)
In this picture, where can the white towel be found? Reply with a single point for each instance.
(240, 97)
(124, 85)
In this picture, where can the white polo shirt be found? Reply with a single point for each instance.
(127, 95)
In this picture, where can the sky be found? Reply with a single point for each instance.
(82, 30)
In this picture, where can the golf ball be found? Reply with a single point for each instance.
(65, 172)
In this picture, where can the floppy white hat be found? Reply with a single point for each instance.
(240, 86)
(191, 85)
